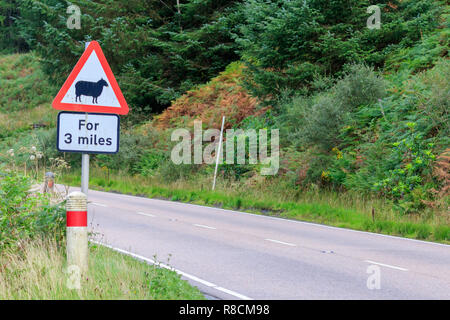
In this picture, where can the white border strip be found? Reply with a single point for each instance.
(184, 274)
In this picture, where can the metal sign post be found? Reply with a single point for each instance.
(85, 160)
(85, 173)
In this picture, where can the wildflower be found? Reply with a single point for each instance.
(32, 157)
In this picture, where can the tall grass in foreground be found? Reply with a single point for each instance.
(38, 271)
(347, 210)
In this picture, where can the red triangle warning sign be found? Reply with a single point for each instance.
(91, 86)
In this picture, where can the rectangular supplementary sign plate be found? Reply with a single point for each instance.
(88, 132)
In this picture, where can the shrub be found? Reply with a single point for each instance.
(24, 216)
(437, 109)
(360, 86)
(134, 147)
(171, 172)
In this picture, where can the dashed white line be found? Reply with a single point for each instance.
(203, 226)
(386, 265)
(184, 274)
(146, 214)
(281, 242)
(99, 204)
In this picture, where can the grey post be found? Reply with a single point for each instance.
(218, 153)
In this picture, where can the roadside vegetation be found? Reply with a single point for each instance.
(363, 114)
(33, 258)
(345, 210)
(39, 271)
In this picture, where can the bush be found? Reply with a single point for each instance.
(134, 147)
(24, 216)
(317, 121)
(171, 172)
(438, 108)
(150, 161)
(360, 86)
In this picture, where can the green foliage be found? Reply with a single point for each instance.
(317, 121)
(21, 83)
(372, 135)
(412, 158)
(36, 151)
(133, 155)
(171, 172)
(150, 162)
(283, 56)
(10, 40)
(24, 216)
(155, 53)
(361, 86)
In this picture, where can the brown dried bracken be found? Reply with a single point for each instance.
(441, 171)
(222, 96)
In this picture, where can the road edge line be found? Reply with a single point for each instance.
(181, 273)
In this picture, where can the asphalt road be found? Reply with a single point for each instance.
(234, 255)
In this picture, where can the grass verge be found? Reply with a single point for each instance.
(38, 271)
(335, 209)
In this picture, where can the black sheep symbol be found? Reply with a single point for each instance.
(91, 89)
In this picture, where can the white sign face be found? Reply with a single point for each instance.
(91, 86)
(88, 132)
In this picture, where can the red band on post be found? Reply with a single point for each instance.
(76, 218)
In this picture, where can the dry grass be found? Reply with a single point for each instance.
(23, 120)
(38, 271)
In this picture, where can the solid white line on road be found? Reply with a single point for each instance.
(146, 214)
(386, 265)
(99, 204)
(232, 293)
(203, 226)
(184, 274)
(281, 242)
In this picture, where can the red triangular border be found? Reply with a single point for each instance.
(59, 105)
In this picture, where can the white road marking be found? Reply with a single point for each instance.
(385, 265)
(203, 226)
(146, 214)
(99, 204)
(281, 242)
(184, 274)
(232, 293)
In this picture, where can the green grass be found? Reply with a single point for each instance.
(25, 94)
(38, 271)
(344, 210)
